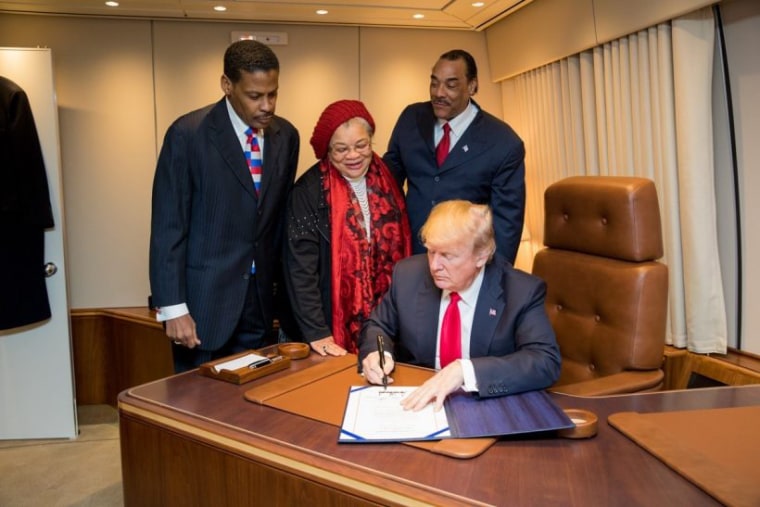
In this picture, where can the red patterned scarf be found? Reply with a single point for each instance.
(361, 270)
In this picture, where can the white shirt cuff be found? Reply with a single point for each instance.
(171, 312)
(468, 372)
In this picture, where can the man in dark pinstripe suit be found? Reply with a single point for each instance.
(215, 241)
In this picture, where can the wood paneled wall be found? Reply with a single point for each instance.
(115, 349)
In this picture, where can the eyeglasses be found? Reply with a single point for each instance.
(341, 151)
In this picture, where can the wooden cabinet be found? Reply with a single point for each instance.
(114, 349)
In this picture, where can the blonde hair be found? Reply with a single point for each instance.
(460, 221)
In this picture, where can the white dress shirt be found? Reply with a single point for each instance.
(458, 125)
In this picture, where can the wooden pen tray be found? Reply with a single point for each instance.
(243, 374)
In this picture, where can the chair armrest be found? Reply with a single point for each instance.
(619, 383)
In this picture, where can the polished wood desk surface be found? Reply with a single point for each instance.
(608, 469)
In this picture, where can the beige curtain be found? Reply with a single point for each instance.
(612, 110)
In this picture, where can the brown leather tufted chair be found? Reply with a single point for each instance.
(607, 295)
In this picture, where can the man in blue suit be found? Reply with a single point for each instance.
(485, 162)
(465, 311)
(216, 225)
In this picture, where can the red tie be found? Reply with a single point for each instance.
(442, 150)
(451, 332)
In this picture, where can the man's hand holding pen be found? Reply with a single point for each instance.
(375, 371)
(377, 365)
(381, 359)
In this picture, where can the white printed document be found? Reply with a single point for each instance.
(375, 414)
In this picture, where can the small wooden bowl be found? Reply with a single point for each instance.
(585, 424)
(294, 350)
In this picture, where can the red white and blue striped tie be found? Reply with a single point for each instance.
(253, 156)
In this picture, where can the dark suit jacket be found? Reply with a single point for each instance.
(25, 212)
(512, 346)
(208, 225)
(486, 166)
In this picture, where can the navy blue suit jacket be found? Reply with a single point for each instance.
(208, 225)
(486, 166)
(512, 346)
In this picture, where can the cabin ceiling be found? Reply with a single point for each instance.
(443, 14)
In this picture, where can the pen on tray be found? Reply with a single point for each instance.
(381, 351)
(259, 363)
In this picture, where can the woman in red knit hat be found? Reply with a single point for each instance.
(346, 229)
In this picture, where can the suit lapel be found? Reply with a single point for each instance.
(426, 123)
(488, 310)
(272, 151)
(428, 305)
(469, 146)
(225, 140)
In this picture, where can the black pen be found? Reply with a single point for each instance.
(259, 363)
(381, 351)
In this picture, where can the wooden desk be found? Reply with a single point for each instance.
(192, 440)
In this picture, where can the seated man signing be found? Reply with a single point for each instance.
(464, 310)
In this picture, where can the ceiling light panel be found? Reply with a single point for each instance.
(349, 14)
(479, 17)
(134, 8)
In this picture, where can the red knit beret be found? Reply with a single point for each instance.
(335, 115)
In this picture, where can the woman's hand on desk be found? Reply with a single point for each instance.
(327, 347)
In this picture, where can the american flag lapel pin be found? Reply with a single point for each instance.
(492, 312)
